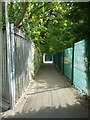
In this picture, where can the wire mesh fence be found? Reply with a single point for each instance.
(74, 63)
(68, 62)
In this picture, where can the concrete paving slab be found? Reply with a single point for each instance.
(51, 96)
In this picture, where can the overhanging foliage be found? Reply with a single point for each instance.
(52, 26)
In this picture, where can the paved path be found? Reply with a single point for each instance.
(51, 96)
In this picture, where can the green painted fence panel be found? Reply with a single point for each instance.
(60, 61)
(68, 62)
(55, 59)
(75, 64)
(80, 67)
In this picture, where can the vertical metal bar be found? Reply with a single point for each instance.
(88, 67)
(9, 76)
(72, 65)
(58, 60)
(13, 63)
(63, 61)
(1, 54)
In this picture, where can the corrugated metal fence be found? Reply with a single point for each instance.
(74, 63)
(19, 62)
(22, 58)
(5, 83)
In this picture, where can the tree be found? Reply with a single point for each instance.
(51, 26)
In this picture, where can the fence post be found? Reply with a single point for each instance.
(88, 69)
(0, 55)
(63, 62)
(13, 62)
(9, 73)
(58, 60)
(72, 64)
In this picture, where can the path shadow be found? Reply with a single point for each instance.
(70, 111)
(49, 78)
(45, 83)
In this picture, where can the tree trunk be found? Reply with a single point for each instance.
(19, 20)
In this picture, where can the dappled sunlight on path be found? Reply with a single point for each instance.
(51, 96)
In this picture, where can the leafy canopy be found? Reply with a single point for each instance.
(52, 26)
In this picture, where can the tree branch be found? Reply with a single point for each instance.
(39, 19)
(37, 10)
(19, 26)
(11, 7)
(19, 20)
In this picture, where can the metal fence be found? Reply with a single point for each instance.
(74, 63)
(22, 58)
(5, 95)
(80, 66)
(20, 61)
(58, 60)
(68, 62)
